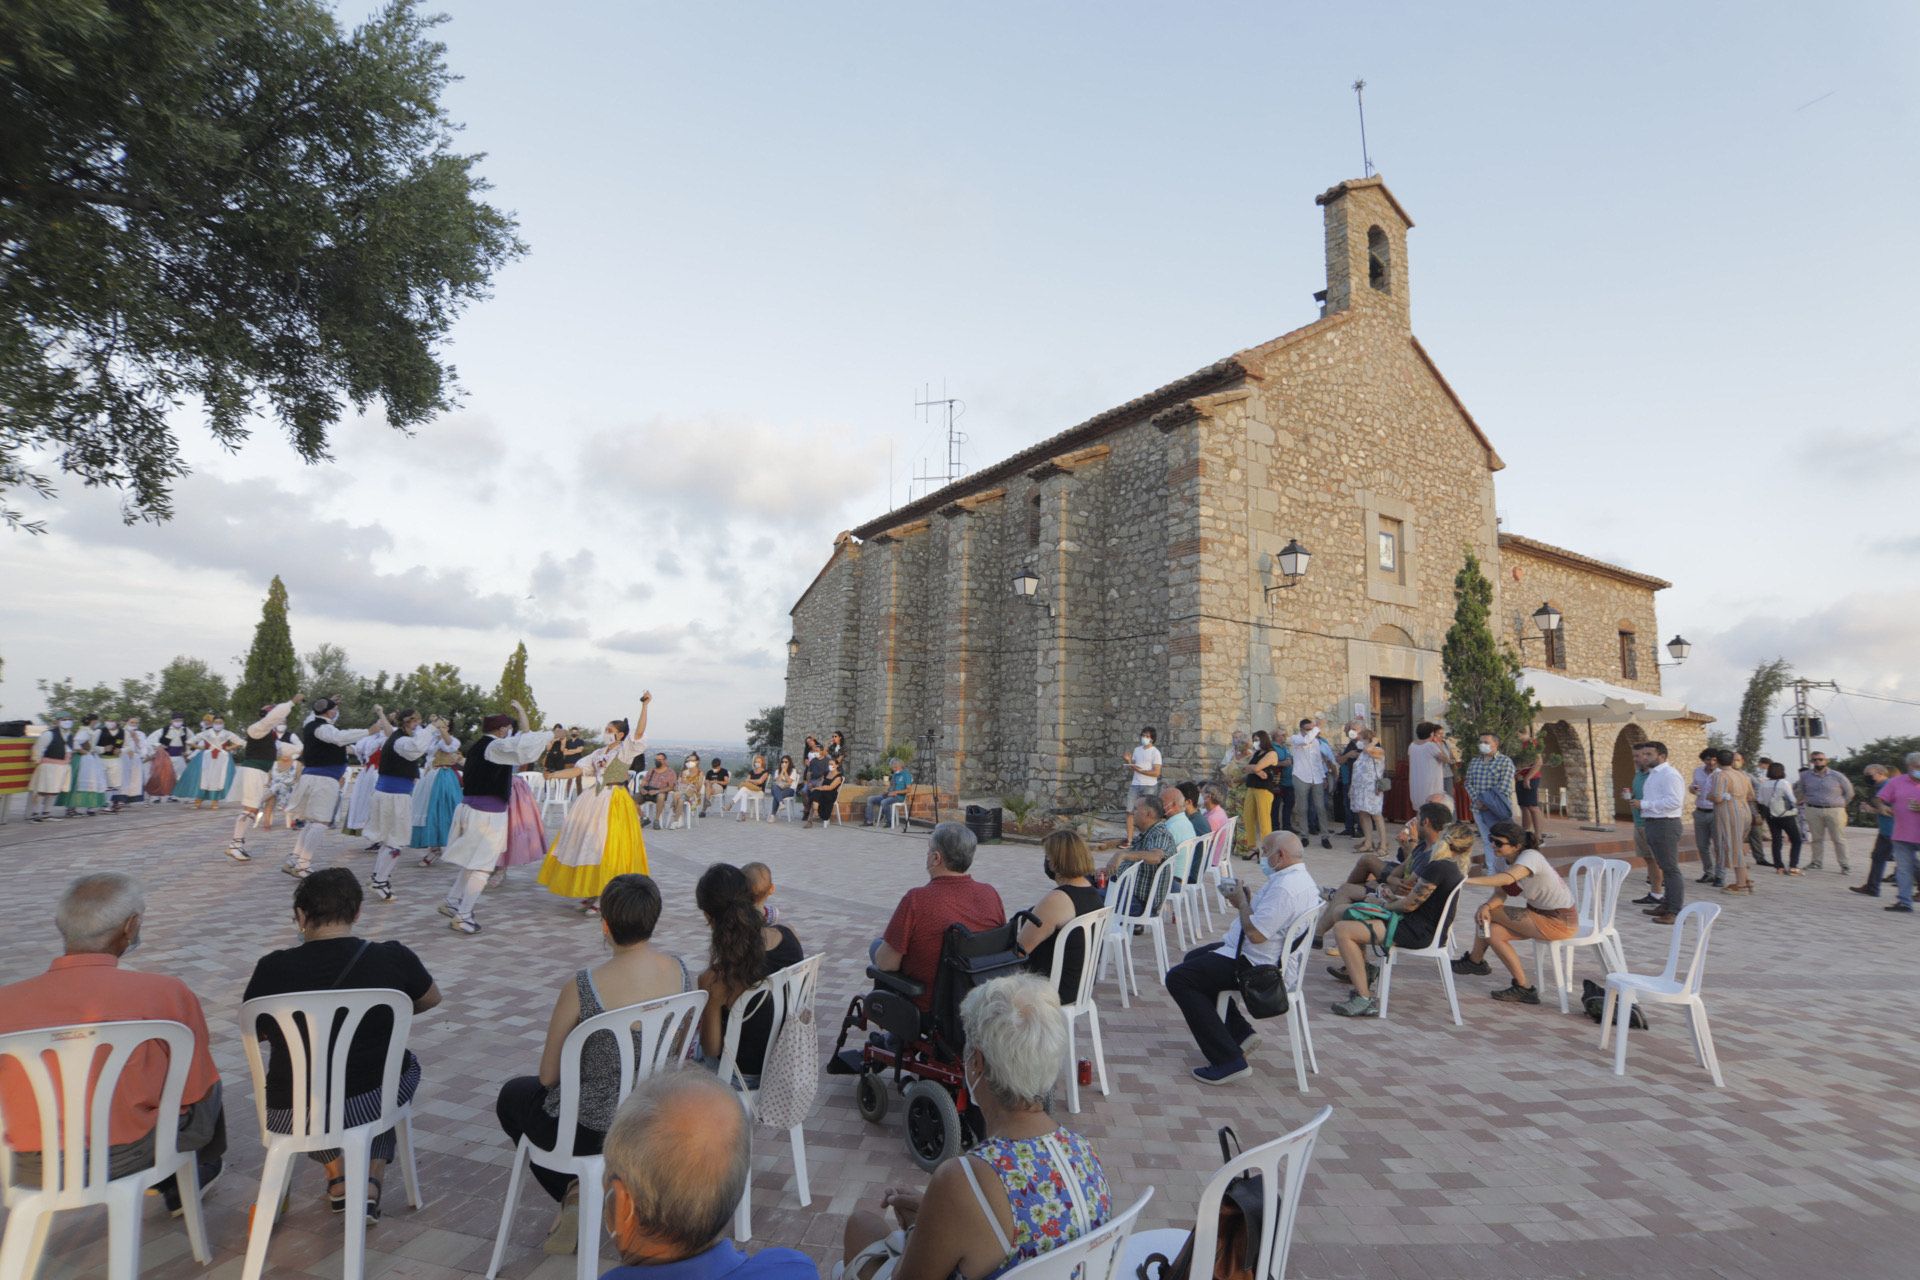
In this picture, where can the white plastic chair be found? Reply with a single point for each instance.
(1282, 1165)
(1186, 864)
(1093, 1256)
(688, 815)
(1441, 952)
(554, 793)
(791, 992)
(1595, 883)
(756, 802)
(73, 1174)
(1296, 948)
(1091, 929)
(1624, 990)
(1152, 918)
(665, 1030)
(1219, 855)
(319, 1106)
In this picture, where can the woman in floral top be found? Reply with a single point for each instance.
(1030, 1186)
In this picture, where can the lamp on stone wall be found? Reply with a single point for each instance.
(1546, 618)
(1025, 583)
(1293, 562)
(793, 646)
(1678, 647)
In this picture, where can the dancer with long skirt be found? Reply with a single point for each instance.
(167, 750)
(359, 806)
(187, 787)
(436, 795)
(481, 824)
(216, 743)
(601, 838)
(391, 826)
(323, 749)
(259, 753)
(128, 785)
(526, 831)
(52, 770)
(87, 791)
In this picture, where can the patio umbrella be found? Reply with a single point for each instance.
(1596, 702)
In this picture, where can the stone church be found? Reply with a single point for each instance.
(1020, 625)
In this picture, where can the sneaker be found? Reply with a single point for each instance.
(1358, 1006)
(1467, 964)
(294, 869)
(450, 911)
(1900, 906)
(1652, 899)
(169, 1189)
(1517, 994)
(238, 852)
(1223, 1073)
(383, 889)
(1325, 843)
(464, 924)
(1705, 879)
(1339, 972)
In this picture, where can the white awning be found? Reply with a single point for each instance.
(1582, 698)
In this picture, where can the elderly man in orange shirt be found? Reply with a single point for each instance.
(99, 919)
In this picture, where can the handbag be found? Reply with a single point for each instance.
(1236, 1238)
(790, 1077)
(1781, 803)
(1263, 988)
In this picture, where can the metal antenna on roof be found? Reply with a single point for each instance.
(1359, 98)
(955, 409)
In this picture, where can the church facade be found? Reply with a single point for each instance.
(1151, 542)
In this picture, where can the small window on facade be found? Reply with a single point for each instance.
(1557, 647)
(1033, 522)
(1629, 658)
(1379, 260)
(1389, 550)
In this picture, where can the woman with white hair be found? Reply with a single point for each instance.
(1031, 1186)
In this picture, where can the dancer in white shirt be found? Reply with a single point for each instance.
(129, 786)
(259, 751)
(323, 751)
(52, 768)
(479, 833)
(391, 825)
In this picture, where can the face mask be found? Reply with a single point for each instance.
(1145, 741)
(113, 724)
(65, 725)
(1914, 773)
(219, 724)
(1046, 868)
(966, 1076)
(176, 722)
(1352, 734)
(1486, 748)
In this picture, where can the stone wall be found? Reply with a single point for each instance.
(1595, 608)
(821, 675)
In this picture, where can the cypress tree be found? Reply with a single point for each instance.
(1484, 694)
(272, 670)
(513, 685)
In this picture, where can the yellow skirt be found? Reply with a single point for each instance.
(624, 852)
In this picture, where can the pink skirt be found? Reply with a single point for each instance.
(526, 838)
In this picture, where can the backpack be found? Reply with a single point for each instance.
(1593, 998)
(1237, 1239)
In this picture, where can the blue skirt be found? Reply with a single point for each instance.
(187, 787)
(441, 803)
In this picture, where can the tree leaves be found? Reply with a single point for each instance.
(1484, 694)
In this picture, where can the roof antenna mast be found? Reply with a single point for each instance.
(955, 409)
(1360, 100)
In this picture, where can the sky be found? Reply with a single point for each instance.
(1664, 253)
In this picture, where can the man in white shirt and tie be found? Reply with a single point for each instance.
(1663, 798)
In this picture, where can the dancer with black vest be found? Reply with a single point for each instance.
(51, 772)
(168, 748)
(391, 825)
(323, 752)
(255, 762)
(87, 791)
(479, 835)
(129, 786)
(108, 742)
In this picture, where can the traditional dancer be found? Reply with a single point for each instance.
(166, 750)
(134, 749)
(216, 743)
(281, 781)
(323, 754)
(187, 786)
(108, 742)
(391, 826)
(52, 771)
(526, 832)
(481, 824)
(366, 753)
(258, 755)
(437, 795)
(601, 838)
(87, 793)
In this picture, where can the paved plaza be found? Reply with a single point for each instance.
(1506, 1147)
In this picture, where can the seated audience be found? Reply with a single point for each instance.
(1409, 919)
(330, 958)
(99, 919)
(658, 787)
(1261, 920)
(691, 785)
(760, 883)
(1374, 879)
(1065, 860)
(715, 787)
(1151, 846)
(752, 783)
(1548, 913)
(1031, 1186)
(635, 973)
(1213, 807)
(743, 951)
(823, 794)
(911, 944)
(786, 784)
(899, 781)
(678, 1157)
(1173, 803)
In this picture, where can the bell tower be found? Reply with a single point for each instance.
(1366, 250)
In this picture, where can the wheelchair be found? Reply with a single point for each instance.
(923, 1053)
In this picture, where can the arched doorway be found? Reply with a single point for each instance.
(1563, 767)
(1630, 736)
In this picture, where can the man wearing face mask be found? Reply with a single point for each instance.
(52, 767)
(259, 752)
(323, 752)
(1490, 788)
(99, 920)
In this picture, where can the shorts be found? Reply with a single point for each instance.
(252, 785)
(1550, 928)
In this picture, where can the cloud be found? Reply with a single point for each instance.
(563, 582)
(668, 563)
(642, 591)
(561, 628)
(646, 640)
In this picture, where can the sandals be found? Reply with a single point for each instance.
(373, 1201)
(337, 1201)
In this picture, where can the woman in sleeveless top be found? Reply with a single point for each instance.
(1029, 1187)
(745, 949)
(1262, 782)
(1065, 860)
(637, 972)
(1732, 816)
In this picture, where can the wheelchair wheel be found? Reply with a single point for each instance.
(870, 1094)
(933, 1124)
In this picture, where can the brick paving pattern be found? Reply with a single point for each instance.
(1503, 1148)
